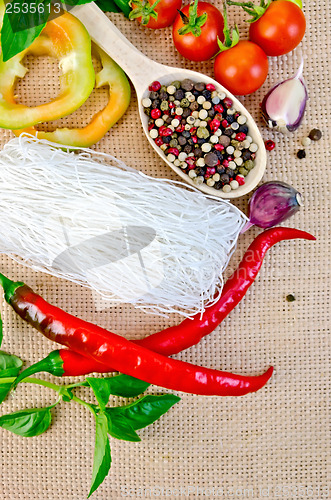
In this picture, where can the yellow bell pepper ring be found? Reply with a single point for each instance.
(119, 98)
(66, 39)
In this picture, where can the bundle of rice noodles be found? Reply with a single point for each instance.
(87, 217)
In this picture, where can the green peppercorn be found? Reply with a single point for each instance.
(202, 133)
(164, 106)
(249, 164)
(184, 103)
(176, 84)
(173, 143)
(290, 298)
(243, 171)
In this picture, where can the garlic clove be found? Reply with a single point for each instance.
(284, 105)
(272, 203)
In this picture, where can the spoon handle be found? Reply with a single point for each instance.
(104, 33)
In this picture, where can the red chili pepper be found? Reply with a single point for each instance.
(177, 338)
(110, 349)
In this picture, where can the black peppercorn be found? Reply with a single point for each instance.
(301, 154)
(315, 134)
(224, 179)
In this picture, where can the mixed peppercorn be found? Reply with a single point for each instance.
(200, 132)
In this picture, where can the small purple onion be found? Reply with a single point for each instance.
(284, 105)
(272, 203)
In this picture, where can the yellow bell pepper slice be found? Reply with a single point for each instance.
(66, 39)
(119, 97)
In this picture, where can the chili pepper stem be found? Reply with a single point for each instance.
(52, 364)
(9, 286)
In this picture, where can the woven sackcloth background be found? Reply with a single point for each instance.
(271, 444)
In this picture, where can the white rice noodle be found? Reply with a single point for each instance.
(87, 217)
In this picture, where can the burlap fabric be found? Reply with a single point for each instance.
(272, 444)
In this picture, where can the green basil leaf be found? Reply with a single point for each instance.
(125, 6)
(102, 457)
(76, 2)
(120, 385)
(108, 6)
(126, 386)
(101, 388)
(24, 15)
(120, 428)
(10, 366)
(146, 410)
(27, 423)
(13, 43)
(1, 331)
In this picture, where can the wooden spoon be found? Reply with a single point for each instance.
(142, 71)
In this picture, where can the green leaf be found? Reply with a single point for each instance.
(108, 6)
(1, 331)
(13, 43)
(101, 388)
(120, 385)
(144, 411)
(25, 15)
(27, 423)
(120, 428)
(124, 5)
(10, 366)
(76, 2)
(102, 458)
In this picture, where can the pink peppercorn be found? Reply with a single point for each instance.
(156, 113)
(210, 171)
(193, 130)
(150, 126)
(180, 128)
(214, 124)
(172, 105)
(165, 131)
(155, 86)
(253, 156)
(224, 124)
(228, 102)
(225, 163)
(211, 87)
(269, 145)
(194, 139)
(240, 136)
(219, 108)
(173, 151)
(219, 147)
(240, 179)
(159, 141)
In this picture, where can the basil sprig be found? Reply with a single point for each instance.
(119, 422)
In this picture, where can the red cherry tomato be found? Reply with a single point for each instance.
(205, 46)
(166, 11)
(280, 29)
(241, 69)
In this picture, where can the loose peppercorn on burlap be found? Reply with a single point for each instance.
(271, 444)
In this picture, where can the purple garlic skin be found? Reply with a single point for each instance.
(272, 203)
(284, 105)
